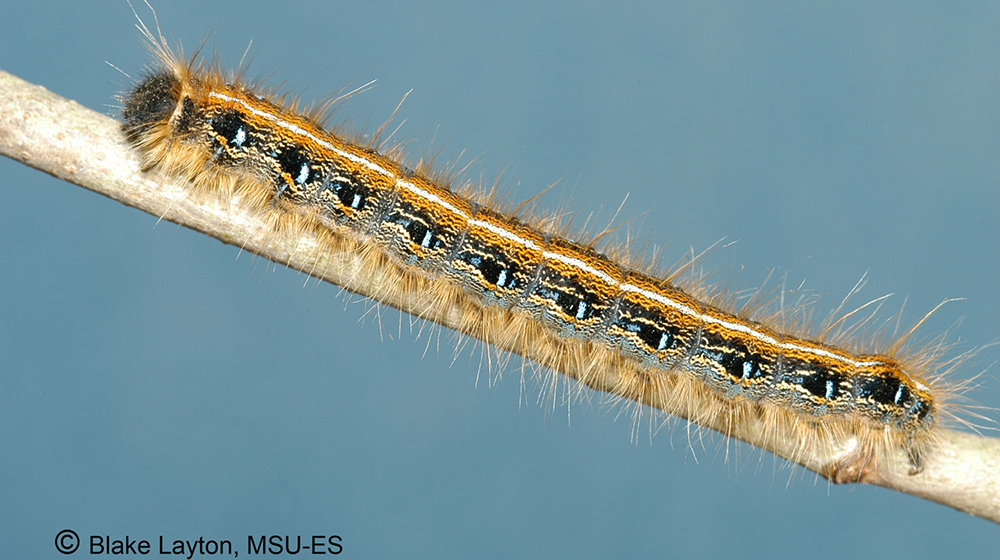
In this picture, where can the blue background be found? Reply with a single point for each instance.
(152, 382)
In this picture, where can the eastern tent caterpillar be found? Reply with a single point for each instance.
(523, 285)
(214, 287)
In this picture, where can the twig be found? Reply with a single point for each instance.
(81, 146)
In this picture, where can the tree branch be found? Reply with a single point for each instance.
(81, 146)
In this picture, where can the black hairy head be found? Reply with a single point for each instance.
(152, 101)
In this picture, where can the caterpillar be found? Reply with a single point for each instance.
(522, 283)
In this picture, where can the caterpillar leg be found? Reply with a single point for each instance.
(863, 466)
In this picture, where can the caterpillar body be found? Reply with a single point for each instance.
(522, 285)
